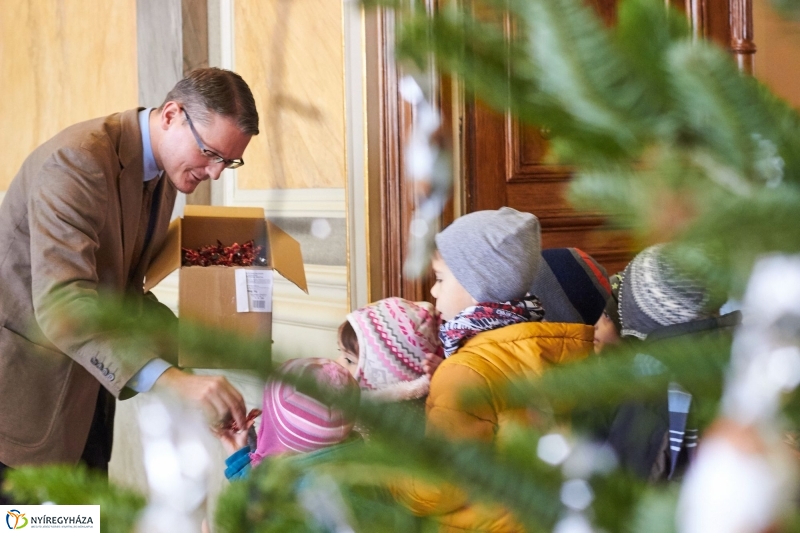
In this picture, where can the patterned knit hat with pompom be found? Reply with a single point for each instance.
(393, 337)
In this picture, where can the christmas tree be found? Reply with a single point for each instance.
(648, 117)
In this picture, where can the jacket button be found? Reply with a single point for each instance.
(93, 360)
(105, 372)
(110, 377)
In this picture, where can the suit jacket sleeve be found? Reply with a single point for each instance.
(66, 216)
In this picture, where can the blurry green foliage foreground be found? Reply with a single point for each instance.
(346, 485)
(652, 121)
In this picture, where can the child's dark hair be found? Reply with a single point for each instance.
(348, 338)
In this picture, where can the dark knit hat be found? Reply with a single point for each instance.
(571, 285)
(655, 293)
(493, 254)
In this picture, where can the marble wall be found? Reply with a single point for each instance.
(777, 59)
(61, 63)
(159, 49)
(291, 54)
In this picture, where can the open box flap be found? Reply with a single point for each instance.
(167, 259)
(285, 256)
(222, 212)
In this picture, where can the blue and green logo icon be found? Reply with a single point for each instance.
(16, 519)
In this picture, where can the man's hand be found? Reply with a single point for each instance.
(214, 394)
(432, 362)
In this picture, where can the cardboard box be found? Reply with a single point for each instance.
(237, 299)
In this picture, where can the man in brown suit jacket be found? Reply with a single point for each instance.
(82, 218)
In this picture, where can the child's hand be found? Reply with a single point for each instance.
(231, 440)
(232, 437)
(432, 362)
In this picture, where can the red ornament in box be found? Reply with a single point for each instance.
(236, 254)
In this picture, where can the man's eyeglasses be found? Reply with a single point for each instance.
(215, 157)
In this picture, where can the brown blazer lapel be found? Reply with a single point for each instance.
(130, 182)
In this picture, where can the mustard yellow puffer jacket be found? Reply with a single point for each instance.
(484, 364)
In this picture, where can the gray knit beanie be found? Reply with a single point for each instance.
(494, 255)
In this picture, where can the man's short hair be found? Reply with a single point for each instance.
(220, 91)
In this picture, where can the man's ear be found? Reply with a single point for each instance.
(170, 114)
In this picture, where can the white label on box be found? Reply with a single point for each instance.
(253, 291)
(49, 518)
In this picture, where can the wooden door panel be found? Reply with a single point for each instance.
(562, 226)
(528, 152)
(506, 165)
(502, 163)
(611, 248)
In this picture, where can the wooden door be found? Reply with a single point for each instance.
(501, 162)
(504, 167)
(504, 162)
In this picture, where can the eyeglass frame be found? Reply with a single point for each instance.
(211, 154)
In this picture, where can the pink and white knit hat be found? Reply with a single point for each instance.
(296, 422)
(393, 337)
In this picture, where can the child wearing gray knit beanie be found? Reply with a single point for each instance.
(484, 264)
(493, 254)
(492, 335)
